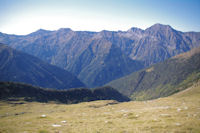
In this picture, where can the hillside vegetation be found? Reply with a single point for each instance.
(179, 113)
(16, 91)
(162, 79)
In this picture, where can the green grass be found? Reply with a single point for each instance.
(179, 113)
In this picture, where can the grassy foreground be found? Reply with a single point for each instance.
(179, 113)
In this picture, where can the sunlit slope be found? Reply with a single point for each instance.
(162, 79)
(177, 113)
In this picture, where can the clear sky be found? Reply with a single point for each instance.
(26, 16)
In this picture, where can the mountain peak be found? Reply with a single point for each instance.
(105, 33)
(159, 26)
(40, 32)
(135, 29)
(65, 29)
(160, 29)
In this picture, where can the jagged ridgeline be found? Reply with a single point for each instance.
(97, 58)
(19, 91)
(162, 79)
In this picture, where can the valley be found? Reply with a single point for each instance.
(45, 78)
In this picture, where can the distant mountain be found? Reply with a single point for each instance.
(160, 42)
(162, 79)
(21, 67)
(99, 57)
(16, 91)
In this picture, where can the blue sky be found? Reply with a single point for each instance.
(25, 16)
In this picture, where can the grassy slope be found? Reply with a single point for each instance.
(161, 79)
(177, 113)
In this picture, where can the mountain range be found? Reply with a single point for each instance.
(97, 58)
(21, 67)
(162, 79)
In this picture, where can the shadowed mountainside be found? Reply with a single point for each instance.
(21, 67)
